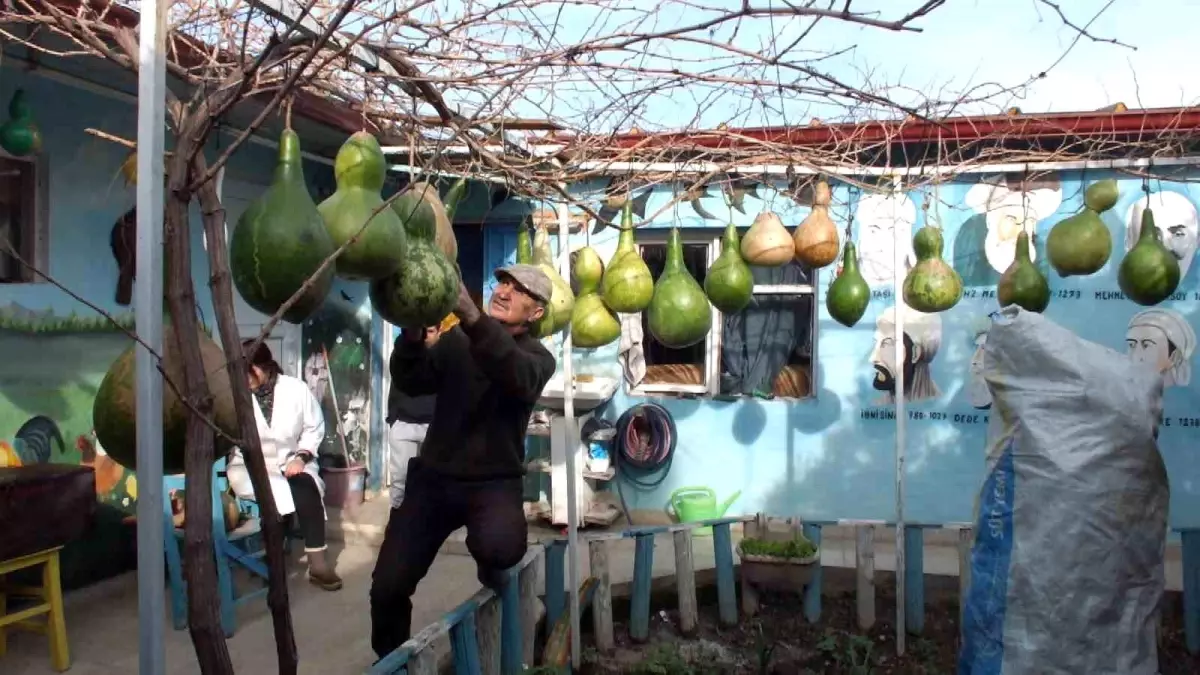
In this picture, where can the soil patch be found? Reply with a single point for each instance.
(779, 640)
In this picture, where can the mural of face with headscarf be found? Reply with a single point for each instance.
(1175, 218)
(881, 219)
(1009, 210)
(922, 335)
(977, 390)
(1162, 339)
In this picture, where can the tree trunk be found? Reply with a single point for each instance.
(213, 215)
(204, 621)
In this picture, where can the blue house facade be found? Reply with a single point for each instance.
(797, 411)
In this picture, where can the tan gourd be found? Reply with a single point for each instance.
(768, 243)
(816, 239)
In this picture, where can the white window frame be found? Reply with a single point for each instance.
(41, 218)
(712, 343)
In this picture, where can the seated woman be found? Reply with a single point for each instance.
(291, 427)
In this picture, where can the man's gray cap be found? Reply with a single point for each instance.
(531, 280)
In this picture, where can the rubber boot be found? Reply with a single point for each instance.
(320, 572)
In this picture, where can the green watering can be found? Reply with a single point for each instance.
(692, 504)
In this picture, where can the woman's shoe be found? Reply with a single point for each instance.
(320, 572)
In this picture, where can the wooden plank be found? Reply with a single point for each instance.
(752, 529)
(557, 653)
(723, 559)
(1191, 589)
(465, 647)
(602, 613)
(639, 602)
(423, 662)
(510, 625)
(556, 580)
(864, 574)
(965, 538)
(487, 634)
(812, 592)
(530, 606)
(685, 583)
(914, 579)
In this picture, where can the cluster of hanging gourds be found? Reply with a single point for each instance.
(1081, 245)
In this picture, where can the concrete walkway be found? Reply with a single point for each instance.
(333, 629)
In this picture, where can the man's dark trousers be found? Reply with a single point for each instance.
(433, 507)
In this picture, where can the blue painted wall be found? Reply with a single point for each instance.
(832, 456)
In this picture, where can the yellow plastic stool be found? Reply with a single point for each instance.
(50, 594)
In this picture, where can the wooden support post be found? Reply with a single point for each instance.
(527, 580)
(423, 662)
(914, 579)
(723, 558)
(639, 603)
(510, 625)
(556, 580)
(965, 539)
(602, 613)
(864, 568)
(487, 633)
(812, 592)
(464, 646)
(751, 530)
(685, 582)
(1191, 589)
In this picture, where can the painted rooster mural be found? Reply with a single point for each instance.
(32, 443)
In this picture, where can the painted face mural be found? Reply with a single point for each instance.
(977, 390)
(1007, 212)
(1163, 340)
(1175, 218)
(922, 336)
(881, 219)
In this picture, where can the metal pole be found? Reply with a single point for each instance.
(571, 444)
(148, 308)
(900, 246)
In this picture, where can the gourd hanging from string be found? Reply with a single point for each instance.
(19, 136)
(848, 295)
(593, 324)
(816, 238)
(768, 243)
(729, 283)
(1081, 244)
(1023, 284)
(931, 285)
(1149, 273)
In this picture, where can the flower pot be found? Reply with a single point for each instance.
(344, 487)
(780, 574)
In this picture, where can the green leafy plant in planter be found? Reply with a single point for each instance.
(797, 548)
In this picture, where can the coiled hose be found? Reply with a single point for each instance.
(643, 448)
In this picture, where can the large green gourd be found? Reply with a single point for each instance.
(1081, 244)
(1023, 284)
(379, 250)
(679, 314)
(729, 283)
(19, 136)
(592, 323)
(562, 300)
(1149, 273)
(114, 409)
(627, 286)
(425, 288)
(849, 293)
(524, 245)
(280, 241)
(931, 285)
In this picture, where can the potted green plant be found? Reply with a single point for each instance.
(779, 564)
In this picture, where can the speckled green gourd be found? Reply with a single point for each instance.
(679, 314)
(1081, 244)
(849, 293)
(19, 136)
(627, 286)
(931, 285)
(729, 283)
(1149, 273)
(1023, 284)
(592, 323)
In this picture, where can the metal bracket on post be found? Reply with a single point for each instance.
(148, 309)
